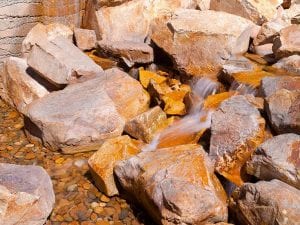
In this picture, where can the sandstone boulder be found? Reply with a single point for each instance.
(60, 62)
(198, 47)
(129, 52)
(236, 130)
(85, 39)
(277, 158)
(145, 125)
(283, 108)
(264, 202)
(127, 93)
(81, 114)
(103, 161)
(288, 42)
(269, 85)
(20, 85)
(175, 185)
(26, 195)
(290, 65)
(257, 11)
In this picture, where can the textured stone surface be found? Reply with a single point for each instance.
(19, 83)
(257, 11)
(85, 39)
(171, 182)
(129, 52)
(283, 108)
(277, 158)
(197, 46)
(103, 161)
(264, 202)
(61, 62)
(81, 114)
(26, 195)
(290, 65)
(288, 42)
(236, 130)
(145, 125)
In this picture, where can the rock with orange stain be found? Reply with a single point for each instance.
(171, 182)
(103, 161)
(289, 65)
(105, 63)
(145, 125)
(145, 76)
(127, 93)
(237, 129)
(277, 158)
(213, 101)
(197, 46)
(283, 109)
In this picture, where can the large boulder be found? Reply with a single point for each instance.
(283, 108)
(277, 158)
(81, 114)
(26, 195)
(257, 11)
(176, 185)
(103, 161)
(198, 46)
(19, 83)
(264, 202)
(60, 62)
(237, 129)
(289, 65)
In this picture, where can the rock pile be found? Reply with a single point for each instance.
(192, 107)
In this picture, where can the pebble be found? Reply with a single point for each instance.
(72, 188)
(98, 209)
(30, 156)
(104, 199)
(59, 160)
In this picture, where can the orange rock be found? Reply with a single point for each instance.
(213, 101)
(105, 63)
(145, 76)
(102, 162)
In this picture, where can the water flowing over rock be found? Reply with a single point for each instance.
(264, 202)
(26, 195)
(85, 39)
(103, 161)
(283, 108)
(20, 86)
(277, 158)
(52, 61)
(257, 11)
(198, 47)
(171, 182)
(236, 130)
(81, 114)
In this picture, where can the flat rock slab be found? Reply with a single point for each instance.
(20, 85)
(26, 195)
(175, 185)
(129, 52)
(237, 129)
(85, 39)
(283, 108)
(265, 202)
(196, 45)
(61, 62)
(277, 158)
(81, 114)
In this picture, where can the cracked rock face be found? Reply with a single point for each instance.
(272, 203)
(277, 158)
(26, 195)
(237, 129)
(175, 185)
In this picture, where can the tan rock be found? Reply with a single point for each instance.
(288, 43)
(257, 11)
(85, 39)
(129, 52)
(60, 62)
(80, 115)
(127, 93)
(26, 195)
(20, 86)
(171, 182)
(199, 47)
(289, 65)
(145, 125)
(103, 161)
(236, 130)
(266, 203)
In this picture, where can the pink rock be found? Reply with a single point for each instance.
(85, 39)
